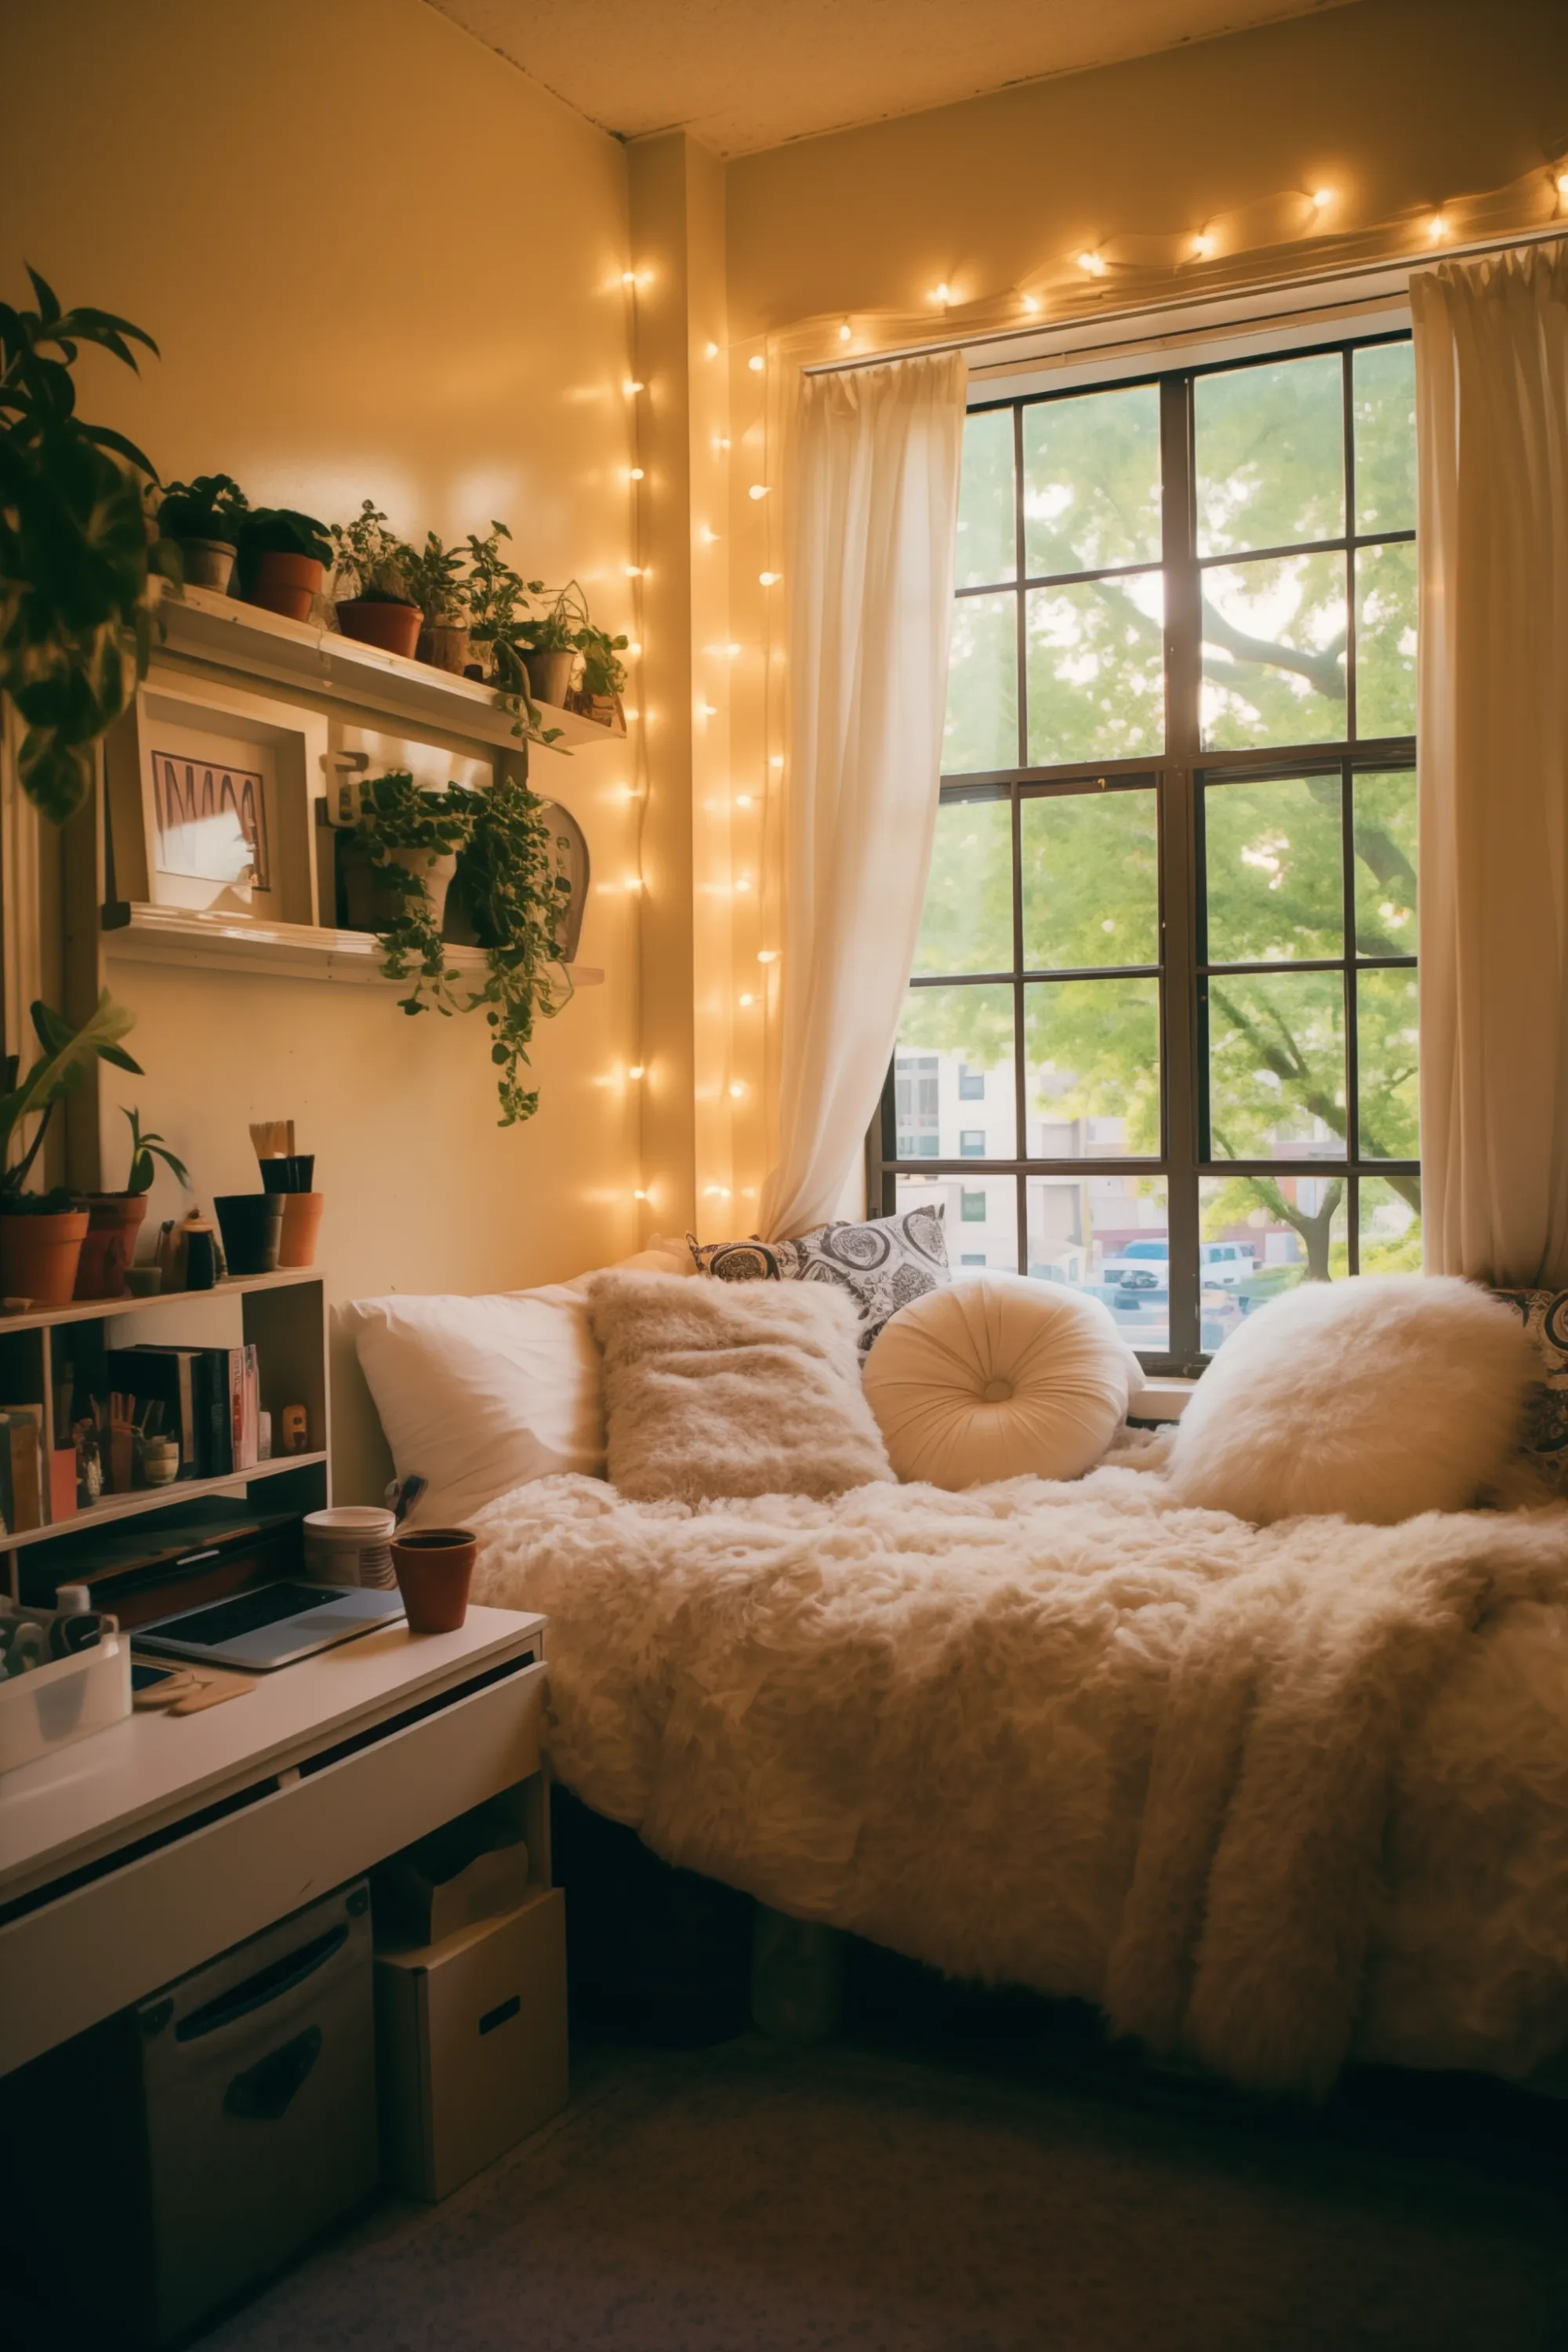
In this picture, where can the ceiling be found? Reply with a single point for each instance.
(746, 74)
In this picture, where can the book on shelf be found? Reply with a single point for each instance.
(22, 1486)
(211, 1399)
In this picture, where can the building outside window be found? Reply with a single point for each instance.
(1171, 921)
(971, 1084)
(973, 1208)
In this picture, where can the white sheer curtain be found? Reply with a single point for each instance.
(1491, 374)
(873, 505)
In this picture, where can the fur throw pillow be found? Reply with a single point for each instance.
(719, 1388)
(1374, 1399)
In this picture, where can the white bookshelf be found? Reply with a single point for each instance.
(284, 1315)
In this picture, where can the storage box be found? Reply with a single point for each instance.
(471, 2045)
(65, 1700)
(423, 1907)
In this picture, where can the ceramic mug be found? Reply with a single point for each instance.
(433, 1567)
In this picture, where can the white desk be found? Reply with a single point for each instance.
(127, 1858)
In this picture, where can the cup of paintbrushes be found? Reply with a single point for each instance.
(290, 1172)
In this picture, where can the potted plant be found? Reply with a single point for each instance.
(204, 518)
(497, 598)
(114, 1219)
(76, 599)
(597, 694)
(41, 1233)
(370, 586)
(283, 560)
(510, 895)
(549, 645)
(434, 574)
(409, 838)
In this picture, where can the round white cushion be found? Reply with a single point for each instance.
(1372, 1399)
(997, 1377)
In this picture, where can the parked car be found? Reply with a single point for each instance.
(1146, 1266)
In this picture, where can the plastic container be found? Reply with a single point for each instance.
(350, 1544)
(67, 1699)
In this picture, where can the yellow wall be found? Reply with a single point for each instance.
(1398, 105)
(378, 261)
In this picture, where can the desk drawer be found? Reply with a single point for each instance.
(107, 1943)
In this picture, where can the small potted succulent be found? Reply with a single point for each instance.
(41, 1233)
(114, 1219)
(283, 560)
(434, 575)
(370, 584)
(204, 518)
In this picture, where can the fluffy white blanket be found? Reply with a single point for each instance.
(1268, 1796)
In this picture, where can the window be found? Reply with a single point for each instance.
(972, 1257)
(916, 1084)
(971, 1084)
(1171, 921)
(972, 1208)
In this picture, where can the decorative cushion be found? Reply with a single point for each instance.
(1374, 1398)
(477, 1394)
(1544, 1315)
(883, 1264)
(719, 1388)
(999, 1377)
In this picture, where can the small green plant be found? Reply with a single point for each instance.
(75, 603)
(435, 578)
(603, 672)
(68, 1054)
(370, 561)
(497, 598)
(146, 1146)
(566, 626)
(280, 530)
(507, 881)
(212, 507)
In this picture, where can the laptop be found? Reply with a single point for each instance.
(271, 1625)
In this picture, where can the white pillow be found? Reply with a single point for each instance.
(477, 1394)
(1372, 1399)
(998, 1377)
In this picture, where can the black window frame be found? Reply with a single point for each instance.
(1180, 777)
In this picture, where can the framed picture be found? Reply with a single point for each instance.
(211, 800)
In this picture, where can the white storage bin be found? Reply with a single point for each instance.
(65, 1700)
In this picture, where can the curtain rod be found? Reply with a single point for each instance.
(1307, 283)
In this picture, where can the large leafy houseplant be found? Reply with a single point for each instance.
(67, 1055)
(75, 601)
(507, 882)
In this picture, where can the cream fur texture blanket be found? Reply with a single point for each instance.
(1269, 1797)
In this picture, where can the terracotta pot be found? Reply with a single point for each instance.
(393, 627)
(550, 676)
(208, 562)
(434, 1565)
(301, 1222)
(114, 1220)
(39, 1256)
(445, 645)
(289, 584)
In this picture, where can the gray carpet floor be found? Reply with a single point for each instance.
(753, 2198)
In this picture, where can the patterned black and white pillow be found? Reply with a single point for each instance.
(883, 1263)
(1545, 1314)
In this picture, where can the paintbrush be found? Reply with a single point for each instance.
(273, 1137)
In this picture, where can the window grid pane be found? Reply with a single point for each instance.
(1302, 1057)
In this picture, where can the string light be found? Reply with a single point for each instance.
(640, 1195)
(736, 1089)
(635, 648)
(845, 332)
(756, 363)
(708, 535)
(1321, 199)
(1437, 226)
(711, 351)
(730, 652)
(758, 490)
(767, 955)
(635, 384)
(628, 713)
(1562, 184)
(769, 579)
(634, 474)
(943, 294)
(1202, 245)
(717, 1191)
(636, 1071)
(775, 760)
(743, 882)
(746, 998)
(744, 800)
(636, 572)
(1094, 263)
(1031, 304)
(628, 278)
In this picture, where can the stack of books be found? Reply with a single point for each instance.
(211, 1400)
(22, 1489)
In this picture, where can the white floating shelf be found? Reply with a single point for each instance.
(292, 951)
(223, 633)
(158, 1499)
(95, 1310)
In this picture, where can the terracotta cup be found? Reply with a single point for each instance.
(433, 1566)
(302, 1222)
(39, 1256)
(393, 627)
(287, 583)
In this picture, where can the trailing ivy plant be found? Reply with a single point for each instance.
(506, 880)
(75, 604)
